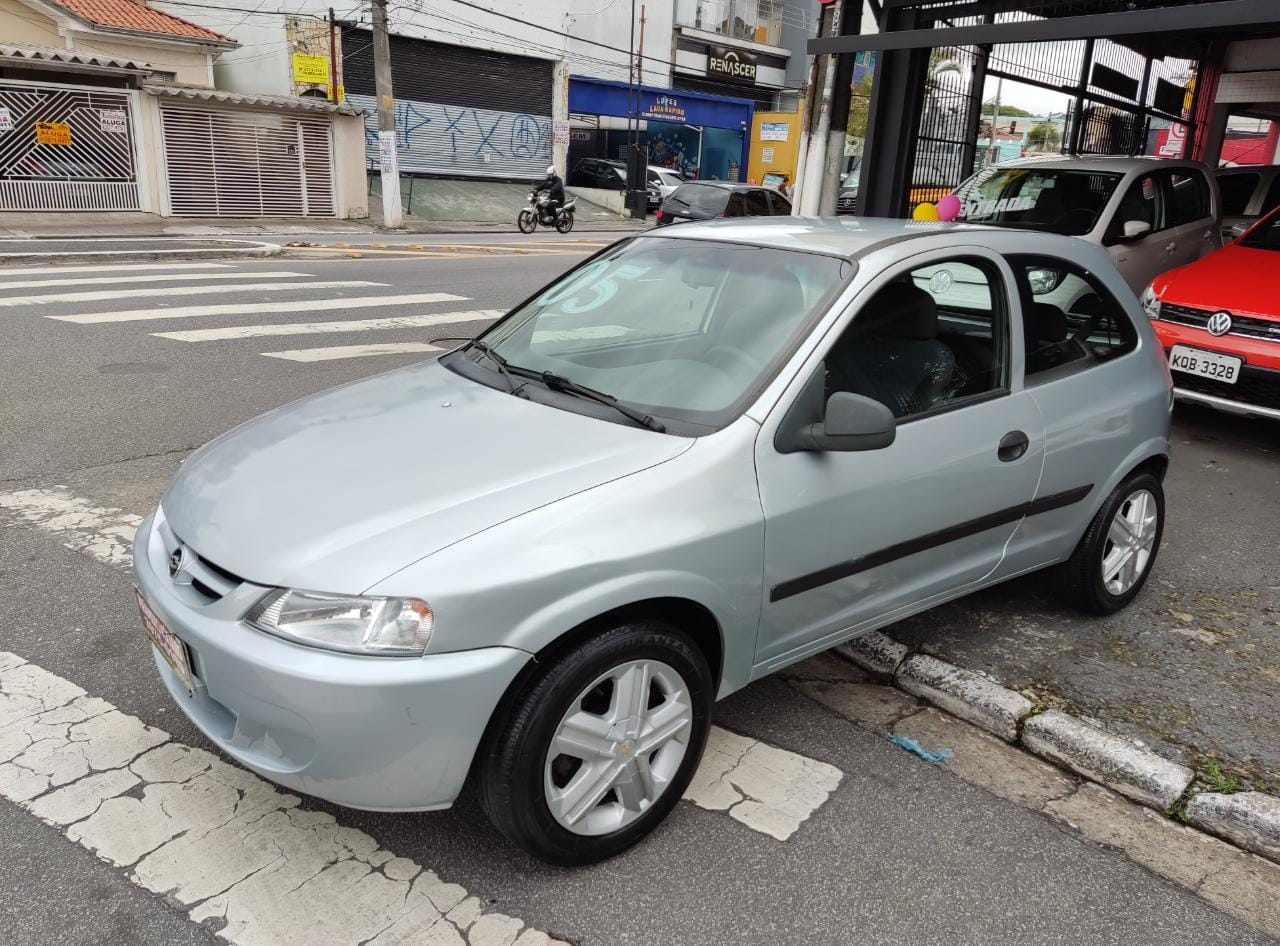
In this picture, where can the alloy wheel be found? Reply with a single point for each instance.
(1130, 541)
(618, 747)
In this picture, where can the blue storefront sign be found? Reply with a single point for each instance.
(717, 126)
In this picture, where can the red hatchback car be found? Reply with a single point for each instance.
(1219, 321)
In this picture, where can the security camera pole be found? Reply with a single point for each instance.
(387, 163)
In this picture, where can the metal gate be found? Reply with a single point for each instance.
(65, 148)
(247, 164)
(944, 154)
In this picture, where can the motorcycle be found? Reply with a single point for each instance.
(541, 211)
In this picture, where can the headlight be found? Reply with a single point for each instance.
(1042, 280)
(391, 627)
(1151, 302)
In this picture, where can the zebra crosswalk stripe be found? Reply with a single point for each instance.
(260, 308)
(110, 268)
(316, 328)
(352, 351)
(110, 294)
(150, 277)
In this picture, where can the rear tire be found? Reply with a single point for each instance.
(565, 223)
(597, 749)
(1117, 552)
(526, 221)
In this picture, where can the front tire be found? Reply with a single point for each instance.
(526, 221)
(597, 749)
(1116, 554)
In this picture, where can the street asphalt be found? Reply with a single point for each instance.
(901, 853)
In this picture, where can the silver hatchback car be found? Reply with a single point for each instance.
(698, 457)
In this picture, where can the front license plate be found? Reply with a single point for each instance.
(1206, 364)
(174, 651)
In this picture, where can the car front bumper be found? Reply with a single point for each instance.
(385, 734)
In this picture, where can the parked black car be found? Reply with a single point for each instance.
(702, 200)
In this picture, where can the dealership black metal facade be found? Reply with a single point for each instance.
(1124, 63)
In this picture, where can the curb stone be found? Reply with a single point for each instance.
(1249, 819)
(966, 694)
(1110, 760)
(875, 653)
(237, 250)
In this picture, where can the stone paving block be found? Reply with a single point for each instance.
(985, 761)
(1099, 755)
(1250, 819)
(870, 705)
(1240, 884)
(966, 694)
(875, 652)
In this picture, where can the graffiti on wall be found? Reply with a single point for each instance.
(460, 140)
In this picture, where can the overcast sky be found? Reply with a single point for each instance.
(1029, 97)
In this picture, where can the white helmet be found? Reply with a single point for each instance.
(551, 170)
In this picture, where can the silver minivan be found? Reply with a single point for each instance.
(702, 455)
(1149, 214)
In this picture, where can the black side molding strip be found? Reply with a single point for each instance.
(824, 576)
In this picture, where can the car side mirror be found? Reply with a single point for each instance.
(1136, 229)
(851, 422)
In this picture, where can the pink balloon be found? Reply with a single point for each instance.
(949, 207)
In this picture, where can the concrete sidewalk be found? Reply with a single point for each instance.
(107, 224)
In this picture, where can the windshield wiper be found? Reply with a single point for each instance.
(560, 383)
(504, 368)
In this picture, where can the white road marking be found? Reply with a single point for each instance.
(151, 277)
(218, 840)
(352, 351)
(100, 531)
(768, 789)
(106, 295)
(112, 268)
(313, 328)
(260, 308)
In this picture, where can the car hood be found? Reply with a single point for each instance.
(1235, 278)
(341, 489)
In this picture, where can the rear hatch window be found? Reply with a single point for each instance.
(699, 198)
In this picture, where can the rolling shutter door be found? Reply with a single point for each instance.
(247, 164)
(459, 111)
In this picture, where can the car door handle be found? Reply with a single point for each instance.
(1170, 247)
(1012, 446)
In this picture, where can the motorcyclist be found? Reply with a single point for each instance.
(554, 186)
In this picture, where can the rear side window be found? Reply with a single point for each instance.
(1070, 321)
(1236, 190)
(781, 206)
(757, 206)
(700, 197)
(1188, 197)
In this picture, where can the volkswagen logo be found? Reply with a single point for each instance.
(176, 562)
(1219, 323)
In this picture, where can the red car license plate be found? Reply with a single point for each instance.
(168, 643)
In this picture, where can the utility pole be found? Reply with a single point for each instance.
(811, 194)
(333, 59)
(993, 146)
(388, 165)
(849, 24)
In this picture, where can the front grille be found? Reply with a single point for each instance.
(1242, 325)
(1257, 387)
(208, 582)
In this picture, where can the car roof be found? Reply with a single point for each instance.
(724, 185)
(853, 236)
(1118, 164)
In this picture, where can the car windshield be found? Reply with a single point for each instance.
(687, 330)
(1265, 236)
(670, 178)
(702, 197)
(1054, 200)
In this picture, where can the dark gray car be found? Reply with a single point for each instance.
(704, 200)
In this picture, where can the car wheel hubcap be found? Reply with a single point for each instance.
(1130, 541)
(618, 747)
